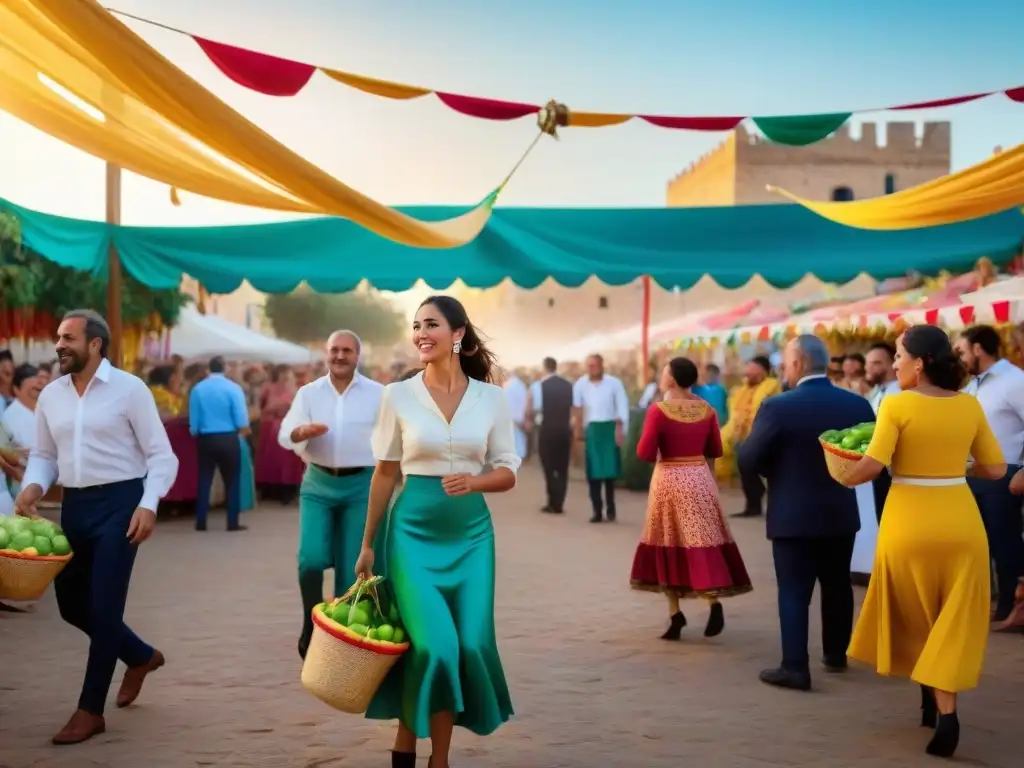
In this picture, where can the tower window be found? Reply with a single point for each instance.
(602, 302)
(842, 194)
(890, 183)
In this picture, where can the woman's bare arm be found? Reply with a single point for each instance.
(382, 488)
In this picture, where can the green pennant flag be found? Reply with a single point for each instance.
(800, 130)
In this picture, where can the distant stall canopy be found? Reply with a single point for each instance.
(675, 246)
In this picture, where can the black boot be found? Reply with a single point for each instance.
(675, 628)
(716, 621)
(311, 586)
(947, 736)
(929, 712)
(403, 759)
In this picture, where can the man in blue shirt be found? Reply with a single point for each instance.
(217, 417)
(712, 392)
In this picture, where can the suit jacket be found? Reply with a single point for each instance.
(555, 407)
(783, 447)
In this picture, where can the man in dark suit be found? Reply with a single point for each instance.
(551, 400)
(812, 520)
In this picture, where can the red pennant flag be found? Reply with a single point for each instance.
(967, 315)
(894, 316)
(260, 72)
(1001, 309)
(932, 317)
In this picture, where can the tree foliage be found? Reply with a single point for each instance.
(305, 317)
(29, 281)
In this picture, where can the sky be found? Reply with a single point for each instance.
(690, 57)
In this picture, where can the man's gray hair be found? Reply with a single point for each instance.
(95, 327)
(353, 334)
(814, 353)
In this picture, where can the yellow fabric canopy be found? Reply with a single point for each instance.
(992, 186)
(138, 110)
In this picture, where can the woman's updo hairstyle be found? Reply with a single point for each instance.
(931, 346)
(478, 362)
(683, 371)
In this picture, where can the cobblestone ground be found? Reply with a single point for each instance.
(592, 684)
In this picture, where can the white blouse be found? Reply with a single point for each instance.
(411, 429)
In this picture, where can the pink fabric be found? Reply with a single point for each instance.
(184, 446)
(274, 464)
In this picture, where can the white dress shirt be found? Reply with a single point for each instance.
(879, 393)
(516, 393)
(1000, 390)
(110, 434)
(648, 394)
(349, 419)
(602, 400)
(411, 429)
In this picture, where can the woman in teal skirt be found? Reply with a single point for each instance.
(440, 429)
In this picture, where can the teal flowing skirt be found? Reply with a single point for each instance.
(247, 478)
(440, 565)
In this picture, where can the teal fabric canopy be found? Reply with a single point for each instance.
(675, 246)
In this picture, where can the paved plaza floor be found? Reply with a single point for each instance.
(591, 682)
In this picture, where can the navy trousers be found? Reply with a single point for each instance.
(93, 588)
(223, 451)
(1001, 514)
(799, 564)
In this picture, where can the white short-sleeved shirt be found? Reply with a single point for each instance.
(411, 429)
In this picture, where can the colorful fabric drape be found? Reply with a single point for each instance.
(137, 110)
(996, 184)
(275, 76)
(675, 246)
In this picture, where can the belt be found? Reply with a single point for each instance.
(929, 481)
(340, 471)
(683, 460)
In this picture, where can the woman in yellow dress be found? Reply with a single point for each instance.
(926, 613)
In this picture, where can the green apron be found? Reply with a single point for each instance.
(604, 458)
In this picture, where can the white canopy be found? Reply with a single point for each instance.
(204, 336)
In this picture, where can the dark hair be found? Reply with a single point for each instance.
(683, 371)
(95, 327)
(48, 367)
(550, 364)
(216, 364)
(762, 361)
(406, 375)
(6, 356)
(22, 372)
(886, 347)
(857, 357)
(712, 368)
(477, 361)
(986, 337)
(942, 365)
(161, 376)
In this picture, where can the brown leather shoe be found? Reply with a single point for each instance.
(81, 727)
(131, 686)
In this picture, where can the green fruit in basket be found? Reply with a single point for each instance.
(386, 633)
(22, 540)
(359, 629)
(16, 525)
(849, 442)
(399, 636)
(5, 538)
(43, 546)
(61, 545)
(371, 634)
(339, 613)
(41, 527)
(358, 615)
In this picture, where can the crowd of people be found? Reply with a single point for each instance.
(392, 481)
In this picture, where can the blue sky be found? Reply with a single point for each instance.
(681, 57)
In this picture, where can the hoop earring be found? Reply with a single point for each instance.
(457, 347)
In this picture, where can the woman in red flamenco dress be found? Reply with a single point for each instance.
(686, 550)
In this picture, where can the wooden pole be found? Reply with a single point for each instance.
(645, 331)
(114, 266)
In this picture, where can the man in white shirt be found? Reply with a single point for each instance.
(329, 425)
(99, 434)
(999, 386)
(601, 415)
(515, 391)
(881, 376)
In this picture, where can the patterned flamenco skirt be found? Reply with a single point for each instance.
(687, 548)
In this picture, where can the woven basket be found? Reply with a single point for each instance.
(343, 669)
(26, 577)
(840, 462)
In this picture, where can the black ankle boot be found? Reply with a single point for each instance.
(403, 759)
(947, 736)
(675, 628)
(929, 712)
(716, 621)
